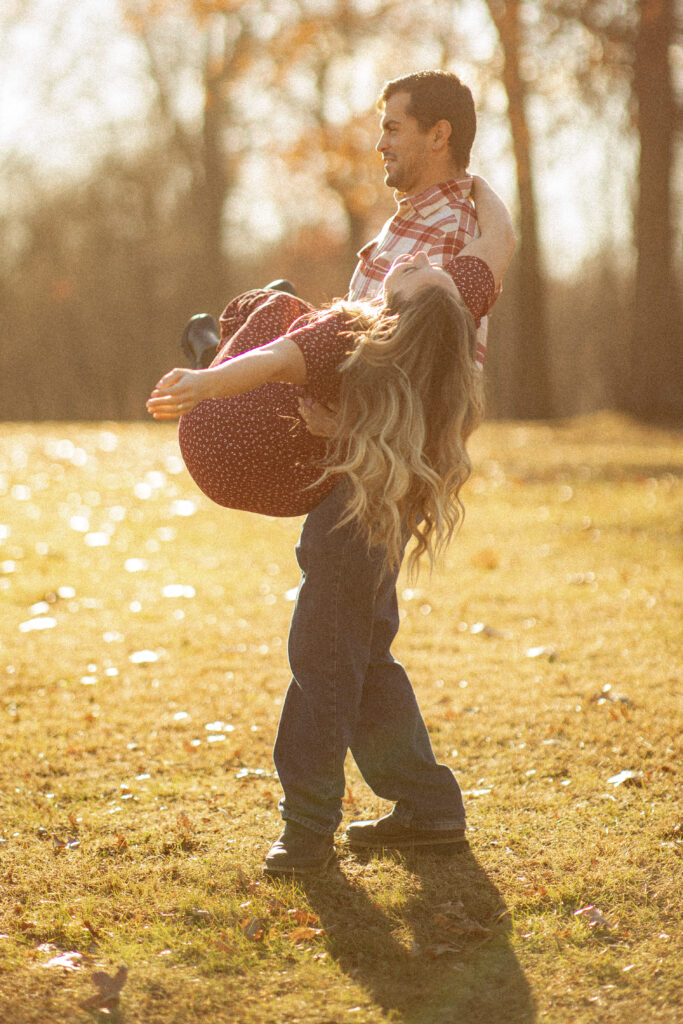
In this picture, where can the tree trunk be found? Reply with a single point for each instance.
(215, 184)
(530, 382)
(655, 389)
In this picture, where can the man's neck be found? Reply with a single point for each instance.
(449, 174)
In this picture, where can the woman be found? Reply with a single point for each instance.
(404, 377)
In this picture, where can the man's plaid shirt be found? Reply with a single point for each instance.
(439, 221)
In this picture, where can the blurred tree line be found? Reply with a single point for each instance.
(100, 274)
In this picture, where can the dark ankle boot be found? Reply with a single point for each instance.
(299, 851)
(200, 341)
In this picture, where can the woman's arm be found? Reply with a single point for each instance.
(180, 390)
(497, 241)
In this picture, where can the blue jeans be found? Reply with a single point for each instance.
(348, 692)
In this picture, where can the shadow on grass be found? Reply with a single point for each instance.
(445, 976)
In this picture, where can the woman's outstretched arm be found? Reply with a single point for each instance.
(180, 390)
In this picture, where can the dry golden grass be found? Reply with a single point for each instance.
(137, 797)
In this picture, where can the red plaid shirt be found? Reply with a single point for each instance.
(439, 221)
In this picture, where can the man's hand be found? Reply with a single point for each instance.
(320, 420)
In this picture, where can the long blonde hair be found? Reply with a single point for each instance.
(411, 394)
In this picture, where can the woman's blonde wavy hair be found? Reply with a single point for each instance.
(411, 394)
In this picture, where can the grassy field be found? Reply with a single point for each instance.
(143, 664)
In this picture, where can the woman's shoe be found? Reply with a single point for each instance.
(200, 341)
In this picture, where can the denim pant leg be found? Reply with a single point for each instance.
(329, 649)
(391, 744)
(344, 620)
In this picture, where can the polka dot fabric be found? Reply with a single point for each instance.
(475, 283)
(253, 451)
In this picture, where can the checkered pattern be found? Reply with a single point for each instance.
(439, 222)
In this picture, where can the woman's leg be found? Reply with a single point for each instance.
(255, 318)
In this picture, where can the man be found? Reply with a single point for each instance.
(347, 690)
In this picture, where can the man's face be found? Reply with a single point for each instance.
(406, 150)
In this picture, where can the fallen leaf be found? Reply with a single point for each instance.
(67, 961)
(542, 652)
(246, 883)
(452, 917)
(60, 844)
(481, 629)
(442, 949)
(628, 776)
(470, 928)
(245, 773)
(200, 915)
(605, 696)
(304, 917)
(224, 942)
(305, 934)
(253, 928)
(593, 917)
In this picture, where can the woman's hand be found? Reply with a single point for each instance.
(175, 394)
(320, 420)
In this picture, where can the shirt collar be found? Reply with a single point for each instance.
(436, 196)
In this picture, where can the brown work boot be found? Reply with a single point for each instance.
(388, 834)
(299, 851)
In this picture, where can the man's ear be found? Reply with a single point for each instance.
(441, 133)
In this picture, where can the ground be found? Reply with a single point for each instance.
(143, 665)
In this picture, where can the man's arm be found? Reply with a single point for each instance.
(496, 243)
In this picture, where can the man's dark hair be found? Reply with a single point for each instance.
(439, 96)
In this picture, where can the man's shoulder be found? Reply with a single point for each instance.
(452, 193)
(446, 212)
(451, 215)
